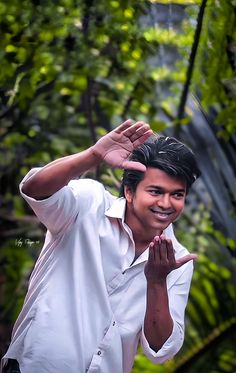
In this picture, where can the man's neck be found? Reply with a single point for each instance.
(142, 238)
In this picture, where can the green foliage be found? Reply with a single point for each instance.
(216, 63)
(16, 265)
(73, 69)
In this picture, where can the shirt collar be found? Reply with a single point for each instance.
(117, 209)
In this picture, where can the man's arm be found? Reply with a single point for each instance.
(158, 323)
(113, 148)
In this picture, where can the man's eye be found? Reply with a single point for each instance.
(179, 195)
(154, 191)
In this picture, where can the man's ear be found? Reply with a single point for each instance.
(128, 194)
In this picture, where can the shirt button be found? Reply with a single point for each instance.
(114, 323)
(99, 352)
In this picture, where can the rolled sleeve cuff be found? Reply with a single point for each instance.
(37, 202)
(56, 212)
(169, 348)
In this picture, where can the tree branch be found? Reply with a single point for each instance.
(192, 58)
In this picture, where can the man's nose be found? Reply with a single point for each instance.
(164, 201)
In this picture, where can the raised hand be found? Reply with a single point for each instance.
(115, 147)
(161, 260)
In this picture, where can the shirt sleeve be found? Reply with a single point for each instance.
(178, 297)
(59, 211)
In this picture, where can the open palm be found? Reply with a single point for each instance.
(116, 147)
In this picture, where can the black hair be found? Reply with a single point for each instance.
(165, 153)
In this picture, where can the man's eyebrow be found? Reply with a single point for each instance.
(181, 190)
(154, 187)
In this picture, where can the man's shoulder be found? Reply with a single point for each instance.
(91, 190)
(86, 184)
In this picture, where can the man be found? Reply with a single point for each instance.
(111, 273)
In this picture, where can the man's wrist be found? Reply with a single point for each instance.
(157, 283)
(96, 153)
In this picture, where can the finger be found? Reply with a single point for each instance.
(131, 165)
(131, 130)
(139, 132)
(163, 250)
(185, 259)
(151, 253)
(157, 253)
(170, 251)
(124, 126)
(142, 139)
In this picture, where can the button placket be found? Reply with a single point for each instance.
(115, 283)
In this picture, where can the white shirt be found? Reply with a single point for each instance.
(85, 307)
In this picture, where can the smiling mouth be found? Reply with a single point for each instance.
(161, 214)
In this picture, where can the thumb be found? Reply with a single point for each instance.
(131, 165)
(185, 259)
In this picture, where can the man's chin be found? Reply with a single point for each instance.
(162, 226)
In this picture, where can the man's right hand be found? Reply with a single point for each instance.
(116, 147)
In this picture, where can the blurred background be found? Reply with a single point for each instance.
(71, 70)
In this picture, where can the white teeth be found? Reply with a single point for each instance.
(159, 212)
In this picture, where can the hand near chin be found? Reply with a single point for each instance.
(161, 260)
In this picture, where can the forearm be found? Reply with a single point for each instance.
(113, 148)
(158, 323)
(57, 174)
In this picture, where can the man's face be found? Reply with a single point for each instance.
(158, 200)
